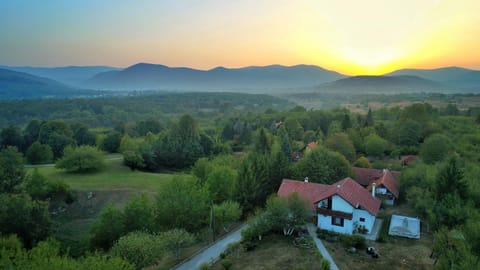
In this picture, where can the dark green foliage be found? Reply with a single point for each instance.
(226, 213)
(39, 153)
(341, 143)
(408, 133)
(324, 264)
(46, 255)
(40, 188)
(82, 135)
(57, 134)
(362, 162)
(435, 148)
(175, 240)
(356, 241)
(226, 264)
(26, 218)
(149, 125)
(375, 145)
(221, 182)
(249, 187)
(451, 180)
(369, 121)
(30, 134)
(81, 159)
(322, 166)
(108, 228)
(12, 171)
(182, 204)
(262, 143)
(11, 136)
(139, 214)
(111, 143)
(346, 123)
(139, 248)
(294, 129)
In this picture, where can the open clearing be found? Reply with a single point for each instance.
(274, 252)
(415, 252)
(113, 176)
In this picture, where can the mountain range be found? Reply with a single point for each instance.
(30, 82)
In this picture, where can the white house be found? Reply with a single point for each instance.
(342, 207)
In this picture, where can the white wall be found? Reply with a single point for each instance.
(369, 219)
(325, 223)
(339, 204)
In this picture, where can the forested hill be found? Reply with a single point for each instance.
(20, 85)
(107, 111)
(145, 76)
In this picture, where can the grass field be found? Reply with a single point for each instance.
(113, 176)
(274, 252)
(415, 252)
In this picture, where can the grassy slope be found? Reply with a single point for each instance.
(114, 176)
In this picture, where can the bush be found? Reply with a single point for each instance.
(140, 249)
(324, 264)
(356, 241)
(205, 266)
(226, 263)
(81, 159)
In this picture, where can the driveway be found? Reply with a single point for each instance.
(211, 253)
(312, 231)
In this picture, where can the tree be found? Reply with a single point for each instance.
(12, 170)
(435, 148)
(362, 162)
(408, 133)
(149, 125)
(285, 143)
(286, 213)
(280, 167)
(221, 183)
(226, 213)
(39, 153)
(369, 121)
(175, 240)
(249, 189)
(30, 133)
(82, 135)
(57, 134)
(375, 145)
(450, 180)
(294, 129)
(81, 159)
(139, 248)
(262, 143)
(11, 136)
(139, 214)
(341, 143)
(346, 123)
(26, 218)
(182, 204)
(108, 227)
(322, 166)
(40, 188)
(111, 143)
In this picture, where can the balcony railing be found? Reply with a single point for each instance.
(329, 212)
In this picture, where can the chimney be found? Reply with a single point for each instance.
(306, 179)
(373, 189)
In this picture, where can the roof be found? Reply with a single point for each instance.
(353, 193)
(408, 158)
(387, 180)
(306, 190)
(365, 176)
(312, 145)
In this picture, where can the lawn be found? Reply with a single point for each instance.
(113, 176)
(274, 252)
(392, 251)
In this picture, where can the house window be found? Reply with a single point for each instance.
(337, 221)
(362, 219)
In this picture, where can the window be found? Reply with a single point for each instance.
(362, 219)
(337, 221)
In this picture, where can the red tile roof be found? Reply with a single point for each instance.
(365, 176)
(408, 158)
(306, 190)
(312, 145)
(388, 181)
(349, 190)
(354, 194)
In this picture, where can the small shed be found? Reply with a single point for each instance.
(404, 226)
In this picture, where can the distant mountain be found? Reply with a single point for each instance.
(382, 84)
(20, 85)
(455, 77)
(159, 77)
(71, 75)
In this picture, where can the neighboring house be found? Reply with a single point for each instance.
(408, 159)
(384, 182)
(342, 207)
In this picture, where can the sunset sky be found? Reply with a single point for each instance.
(351, 37)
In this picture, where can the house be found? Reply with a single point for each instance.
(343, 207)
(408, 159)
(383, 182)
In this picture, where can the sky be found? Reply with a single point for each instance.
(348, 36)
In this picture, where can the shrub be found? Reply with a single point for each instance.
(356, 241)
(140, 249)
(205, 266)
(324, 264)
(226, 263)
(81, 159)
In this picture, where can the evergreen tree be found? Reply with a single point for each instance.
(369, 121)
(450, 180)
(285, 143)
